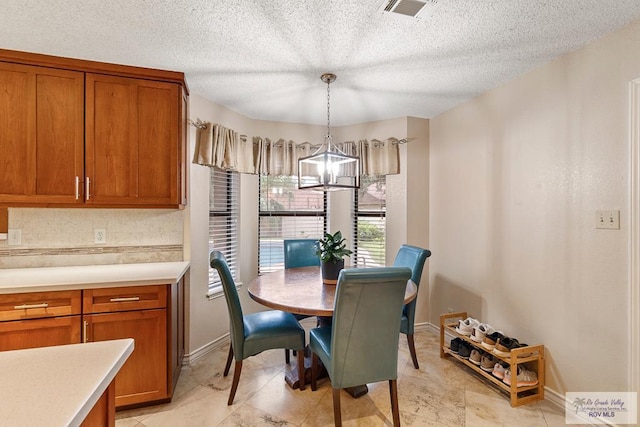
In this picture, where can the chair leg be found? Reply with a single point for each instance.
(314, 371)
(412, 350)
(236, 379)
(393, 391)
(337, 416)
(301, 377)
(286, 356)
(228, 365)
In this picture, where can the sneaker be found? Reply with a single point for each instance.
(454, 345)
(525, 354)
(498, 370)
(465, 327)
(464, 350)
(475, 357)
(480, 331)
(487, 362)
(505, 345)
(525, 377)
(489, 341)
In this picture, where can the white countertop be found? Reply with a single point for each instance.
(19, 280)
(57, 386)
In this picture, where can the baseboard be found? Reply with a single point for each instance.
(199, 353)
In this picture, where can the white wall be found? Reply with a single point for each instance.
(516, 177)
(208, 320)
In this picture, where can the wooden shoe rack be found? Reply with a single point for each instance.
(533, 362)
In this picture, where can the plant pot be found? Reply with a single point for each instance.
(330, 272)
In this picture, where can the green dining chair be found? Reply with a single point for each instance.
(361, 345)
(254, 333)
(414, 258)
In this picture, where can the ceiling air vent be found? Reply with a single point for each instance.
(412, 8)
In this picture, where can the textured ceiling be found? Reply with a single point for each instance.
(264, 59)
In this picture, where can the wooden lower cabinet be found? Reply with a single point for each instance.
(103, 413)
(31, 333)
(153, 315)
(143, 378)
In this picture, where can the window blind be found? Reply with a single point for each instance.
(223, 222)
(286, 213)
(369, 222)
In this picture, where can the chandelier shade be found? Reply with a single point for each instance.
(328, 168)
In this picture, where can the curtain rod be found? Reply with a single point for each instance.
(201, 125)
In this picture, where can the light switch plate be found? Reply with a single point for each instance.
(608, 219)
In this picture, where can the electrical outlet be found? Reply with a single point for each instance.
(449, 310)
(608, 219)
(99, 236)
(15, 237)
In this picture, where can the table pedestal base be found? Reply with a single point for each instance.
(292, 380)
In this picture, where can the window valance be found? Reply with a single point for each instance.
(226, 149)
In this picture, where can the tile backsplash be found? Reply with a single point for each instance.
(53, 237)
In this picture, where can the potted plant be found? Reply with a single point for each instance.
(332, 249)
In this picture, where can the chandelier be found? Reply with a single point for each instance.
(328, 168)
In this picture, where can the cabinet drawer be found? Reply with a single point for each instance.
(33, 333)
(35, 305)
(124, 299)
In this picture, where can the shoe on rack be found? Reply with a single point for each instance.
(487, 362)
(525, 354)
(524, 378)
(465, 327)
(475, 357)
(480, 331)
(464, 350)
(489, 341)
(454, 345)
(499, 370)
(505, 345)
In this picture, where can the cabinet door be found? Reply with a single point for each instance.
(133, 141)
(143, 378)
(41, 134)
(33, 333)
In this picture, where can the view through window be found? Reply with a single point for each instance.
(286, 213)
(223, 221)
(369, 214)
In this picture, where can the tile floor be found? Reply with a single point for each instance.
(441, 393)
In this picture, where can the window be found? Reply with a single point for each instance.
(223, 222)
(369, 220)
(286, 213)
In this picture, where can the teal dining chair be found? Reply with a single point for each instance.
(254, 333)
(414, 258)
(300, 253)
(361, 344)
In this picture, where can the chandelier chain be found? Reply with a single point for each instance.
(328, 110)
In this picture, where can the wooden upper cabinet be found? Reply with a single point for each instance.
(41, 134)
(134, 145)
(86, 133)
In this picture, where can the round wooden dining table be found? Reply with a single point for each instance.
(301, 291)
